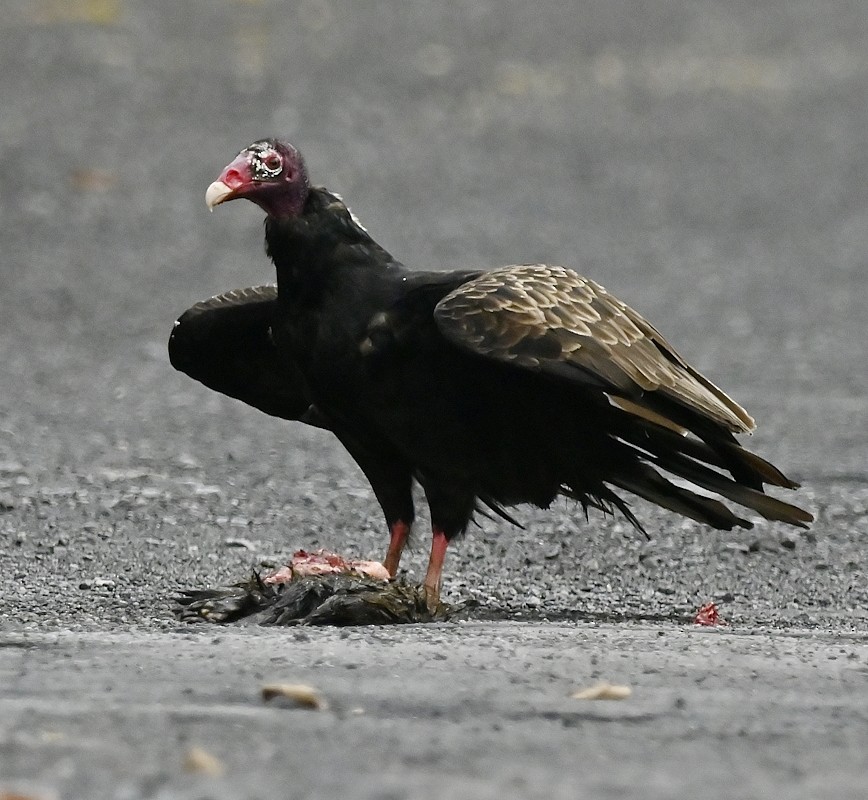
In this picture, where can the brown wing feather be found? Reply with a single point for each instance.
(247, 296)
(546, 318)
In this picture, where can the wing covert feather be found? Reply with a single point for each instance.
(553, 320)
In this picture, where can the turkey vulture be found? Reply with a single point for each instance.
(489, 388)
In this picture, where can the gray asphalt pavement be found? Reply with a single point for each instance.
(704, 161)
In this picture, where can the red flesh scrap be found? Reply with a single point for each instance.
(323, 562)
(708, 615)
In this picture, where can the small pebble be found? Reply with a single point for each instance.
(196, 759)
(236, 542)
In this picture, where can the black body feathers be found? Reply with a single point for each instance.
(489, 388)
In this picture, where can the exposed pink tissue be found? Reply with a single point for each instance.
(323, 562)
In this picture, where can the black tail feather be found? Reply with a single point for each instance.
(651, 485)
(692, 459)
(769, 507)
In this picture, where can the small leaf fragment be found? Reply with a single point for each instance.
(603, 691)
(299, 694)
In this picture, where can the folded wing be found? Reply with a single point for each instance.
(553, 320)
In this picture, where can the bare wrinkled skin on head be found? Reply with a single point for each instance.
(270, 173)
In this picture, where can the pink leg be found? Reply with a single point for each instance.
(431, 584)
(399, 532)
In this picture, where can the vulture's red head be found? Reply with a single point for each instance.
(270, 173)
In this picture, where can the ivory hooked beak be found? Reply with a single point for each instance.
(217, 193)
